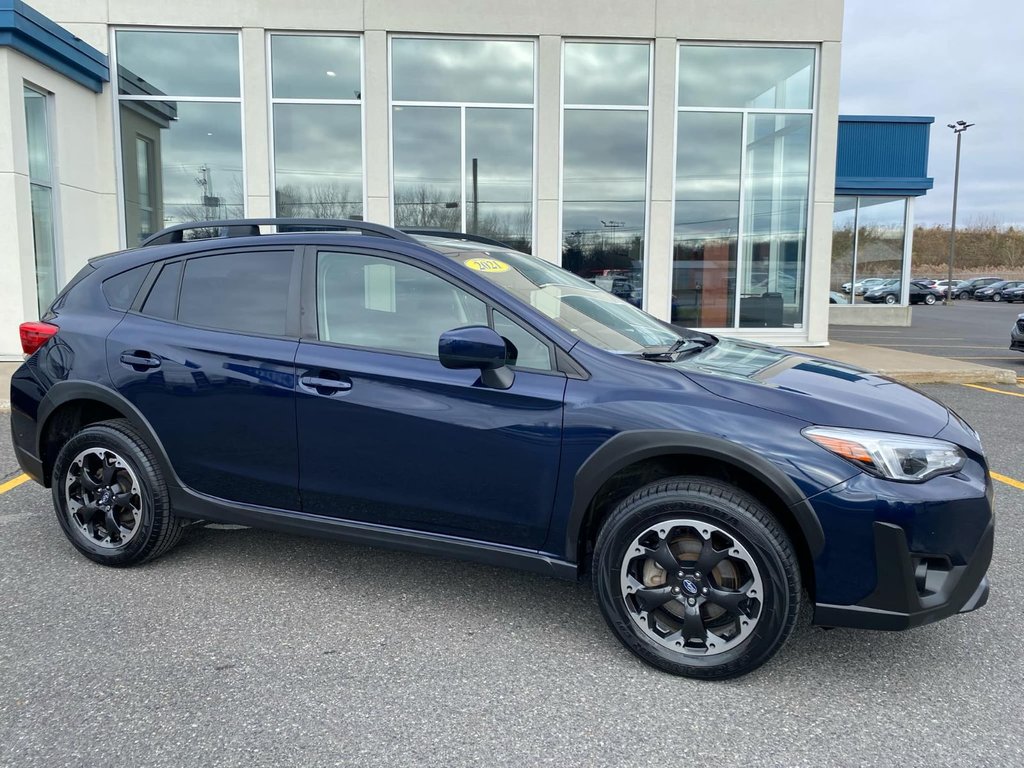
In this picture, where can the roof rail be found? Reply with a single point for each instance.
(246, 227)
(455, 236)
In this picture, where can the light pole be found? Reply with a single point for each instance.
(958, 128)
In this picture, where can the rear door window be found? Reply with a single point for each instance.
(246, 292)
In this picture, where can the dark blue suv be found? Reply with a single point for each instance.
(442, 395)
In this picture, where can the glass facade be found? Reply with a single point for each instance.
(190, 118)
(868, 243)
(462, 127)
(461, 153)
(40, 179)
(743, 150)
(605, 130)
(316, 95)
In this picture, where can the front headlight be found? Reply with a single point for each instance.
(895, 457)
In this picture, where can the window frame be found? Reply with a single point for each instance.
(647, 108)
(463, 106)
(294, 283)
(310, 319)
(50, 113)
(273, 100)
(746, 112)
(117, 98)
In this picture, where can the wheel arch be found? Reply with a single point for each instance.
(71, 405)
(634, 458)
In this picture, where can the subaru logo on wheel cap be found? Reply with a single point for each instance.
(689, 586)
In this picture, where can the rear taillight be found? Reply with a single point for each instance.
(35, 334)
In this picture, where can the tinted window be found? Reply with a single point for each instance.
(245, 292)
(163, 296)
(366, 301)
(120, 290)
(531, 351)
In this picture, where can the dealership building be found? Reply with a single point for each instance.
(688, 156)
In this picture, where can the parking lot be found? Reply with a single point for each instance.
(243, 647)
(978, 331)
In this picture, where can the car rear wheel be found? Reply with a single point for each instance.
(929, 299)
(890, 298)
(697, 578)
(110, 496)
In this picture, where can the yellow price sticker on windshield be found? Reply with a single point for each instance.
(487, 265)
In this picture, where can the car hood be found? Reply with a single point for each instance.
(812, 389)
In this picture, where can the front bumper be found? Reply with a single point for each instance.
(906, 594)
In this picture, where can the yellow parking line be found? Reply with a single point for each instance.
(997, 391)
(1007, 480)
(14, 482)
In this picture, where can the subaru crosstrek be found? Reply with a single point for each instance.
(442, 395)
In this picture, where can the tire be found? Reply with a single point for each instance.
(890, 298)
(929, 299)
(964, 295)
(997, 297)
(751, 597)
(112, 457)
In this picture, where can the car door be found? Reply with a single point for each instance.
(208, 356)
(387, 435)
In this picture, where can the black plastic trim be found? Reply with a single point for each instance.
(630, 447)
(190, 504)
(895, 604)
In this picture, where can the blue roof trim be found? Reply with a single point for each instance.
(883, 155)
(885, 119)
(29, 32)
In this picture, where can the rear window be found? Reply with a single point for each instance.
(120, 290)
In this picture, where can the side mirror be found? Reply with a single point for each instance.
(477, 346)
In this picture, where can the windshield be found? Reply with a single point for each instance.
(580, 307)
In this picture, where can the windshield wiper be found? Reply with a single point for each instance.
(678, 347)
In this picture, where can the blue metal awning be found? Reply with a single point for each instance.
(883, 155)
(30, 33)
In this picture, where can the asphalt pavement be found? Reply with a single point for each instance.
(243, 647)
(974, 331)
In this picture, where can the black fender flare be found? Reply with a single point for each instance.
(632, 446)
(64, 392)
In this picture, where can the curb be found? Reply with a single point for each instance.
(984, 376)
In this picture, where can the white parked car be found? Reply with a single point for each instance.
(867, 284)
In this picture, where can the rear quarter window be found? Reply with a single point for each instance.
(120, 290)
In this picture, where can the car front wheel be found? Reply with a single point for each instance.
(697, 578)
(964, 295)
(929, 299)
(890, 299)
(110, 496)
(997, 297)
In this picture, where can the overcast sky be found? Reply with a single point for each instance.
(952, 59)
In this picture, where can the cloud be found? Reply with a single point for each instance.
(951, 60)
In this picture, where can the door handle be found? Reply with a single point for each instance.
(325, 383)
(139, 361)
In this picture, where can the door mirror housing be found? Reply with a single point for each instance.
(477, 346)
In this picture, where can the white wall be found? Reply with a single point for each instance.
(662, 21)
(85, 203)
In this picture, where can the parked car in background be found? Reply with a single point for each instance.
(943, 285)
(1017, 334)
(1014, 294)
(834, 297)
(618, 286)
(967, 288)
(926, 281)
(862, 286)
(995, 292)
(440, 396)
(889, 293)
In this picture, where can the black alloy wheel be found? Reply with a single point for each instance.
(697, 578)
(110, 496)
